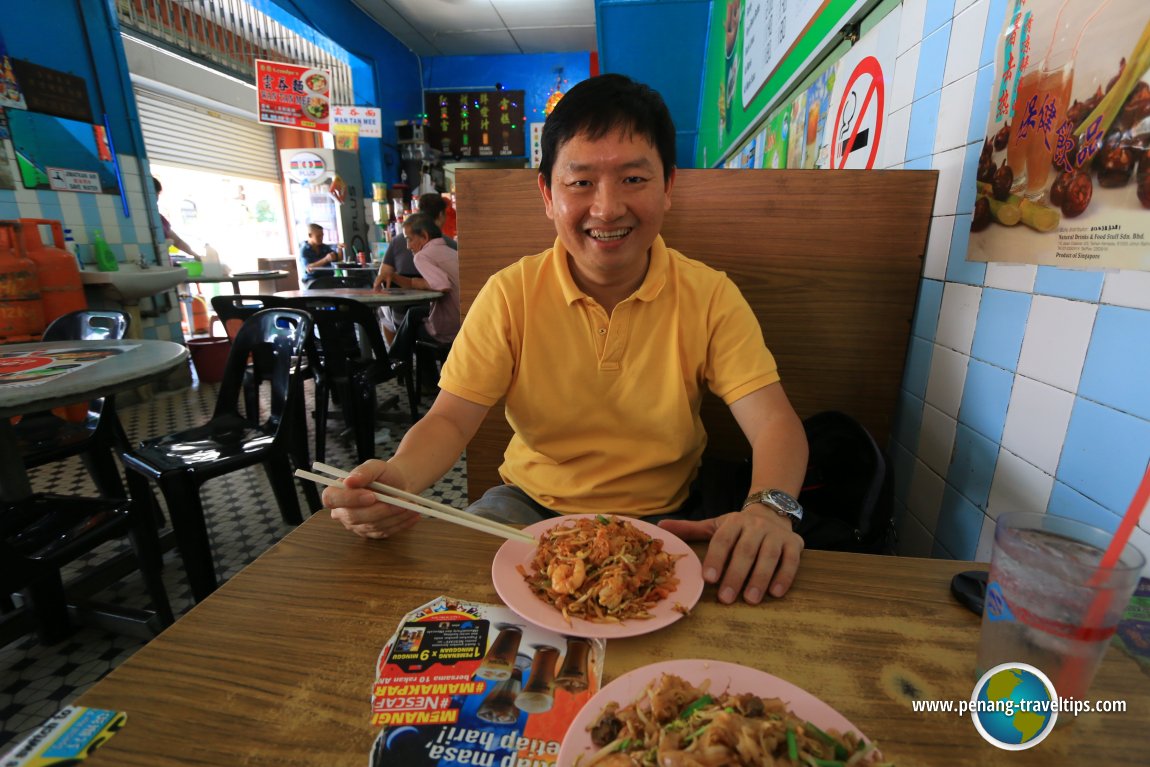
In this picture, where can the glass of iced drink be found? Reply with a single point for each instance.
(1044, 598)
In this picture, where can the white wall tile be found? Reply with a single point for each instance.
(910, 25)
(914, 540)
(894, 135)
(905, 72)
(938, 247)
(1127, 288)
(1006, 276)
(1140, 539)
(947, 378)
(966, 35)
(924, 496)
(1018, 486)
(1057, 335)
(954, 113)
(958, 316)
(985, 540)
(1036, 422)
(961, 5)
(949, 167)
(936, 439)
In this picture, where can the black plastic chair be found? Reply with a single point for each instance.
(45, 437)
(232, 310)
(273, 339)
(42, 533)
(329, 282)
(429, 356)
(350, 360)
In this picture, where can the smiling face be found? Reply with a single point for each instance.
(607, 199)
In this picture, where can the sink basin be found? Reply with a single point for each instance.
(130, 284)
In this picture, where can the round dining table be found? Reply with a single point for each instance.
(131, 363)
(385, 297)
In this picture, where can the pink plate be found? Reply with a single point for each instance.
(517, 595)
(724, 677)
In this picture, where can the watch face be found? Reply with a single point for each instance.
(783, 502)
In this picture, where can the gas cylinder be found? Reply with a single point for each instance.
(21, 314)
(61, 290)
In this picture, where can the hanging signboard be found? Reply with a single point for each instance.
(1064, 175)
(476, 123)
(293, 96)
(366, 119)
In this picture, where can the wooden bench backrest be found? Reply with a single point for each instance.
(830, 261)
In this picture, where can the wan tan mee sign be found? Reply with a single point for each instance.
(1064, 174)
(293, 96)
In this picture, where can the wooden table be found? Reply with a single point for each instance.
(147, 361)
(385, 297)
(276, 667)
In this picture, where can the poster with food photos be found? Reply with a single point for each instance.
(293, 96)
(464, 682)
(1063, 176)
(31, 367)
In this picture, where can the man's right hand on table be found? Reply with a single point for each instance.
(383, 279)
(359, 510)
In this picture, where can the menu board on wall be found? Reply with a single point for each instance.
(476, 123)
(293, 96)
(52, 92)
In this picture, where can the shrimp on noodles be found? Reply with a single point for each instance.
(601, 569)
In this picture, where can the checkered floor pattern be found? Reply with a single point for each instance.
(243, 520)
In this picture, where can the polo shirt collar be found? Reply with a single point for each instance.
(653, 282)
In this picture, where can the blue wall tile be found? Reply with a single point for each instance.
(1001, 327)
(908, 421)
(958, 269)
(925, 323)
(980, 111)
(969, 187)
(932, 62)
(972, 466)
(8, 208)
(923, 126)
(985, 399)
(938, 551)
(1065, 502)
(995, 19)
(1104, 454)
(902, 469)
(959, 525)
(1069, 283)
(918, 357)
(1117, 369)
(938, 12)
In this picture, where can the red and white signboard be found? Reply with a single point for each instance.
(861, 96)
(69, 180)
(367, 119)
(292, 96)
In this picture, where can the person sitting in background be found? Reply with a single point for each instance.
(314, 254)
(439, 265)
(169, 233)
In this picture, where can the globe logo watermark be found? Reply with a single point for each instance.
(1014, 706)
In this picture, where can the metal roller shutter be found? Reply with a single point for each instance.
(188, 135)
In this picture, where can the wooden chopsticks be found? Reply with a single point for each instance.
(412, 502)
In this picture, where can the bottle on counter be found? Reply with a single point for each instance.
(105, 258)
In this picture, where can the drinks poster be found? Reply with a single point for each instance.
(1064, 172)
(469, 683)
(294, 96)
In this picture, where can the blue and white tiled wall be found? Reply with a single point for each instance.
(1026, 388)
(131, 238)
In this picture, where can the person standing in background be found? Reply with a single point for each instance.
(169, 233)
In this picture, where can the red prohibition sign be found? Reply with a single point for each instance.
(868, 66)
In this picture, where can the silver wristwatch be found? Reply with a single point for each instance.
(781, 502)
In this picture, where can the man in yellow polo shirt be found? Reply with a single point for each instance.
(603, 346)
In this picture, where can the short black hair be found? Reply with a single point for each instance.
(156, 183)
(600, 105)
(433, 204)
(421, 223)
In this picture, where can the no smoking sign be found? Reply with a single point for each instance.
(858, 118)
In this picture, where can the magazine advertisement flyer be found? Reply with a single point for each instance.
(466, 683)
(31, 367)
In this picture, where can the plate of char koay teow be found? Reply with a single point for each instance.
(593, 575)
(708, 713)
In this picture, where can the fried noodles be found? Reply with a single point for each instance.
(677, 723)
(601, 569)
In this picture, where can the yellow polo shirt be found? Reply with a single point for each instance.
(606, 409)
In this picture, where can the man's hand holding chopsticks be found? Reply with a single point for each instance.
(358, 509)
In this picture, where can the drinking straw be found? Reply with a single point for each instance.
(1072, 669)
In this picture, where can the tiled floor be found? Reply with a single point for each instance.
(243, 521)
